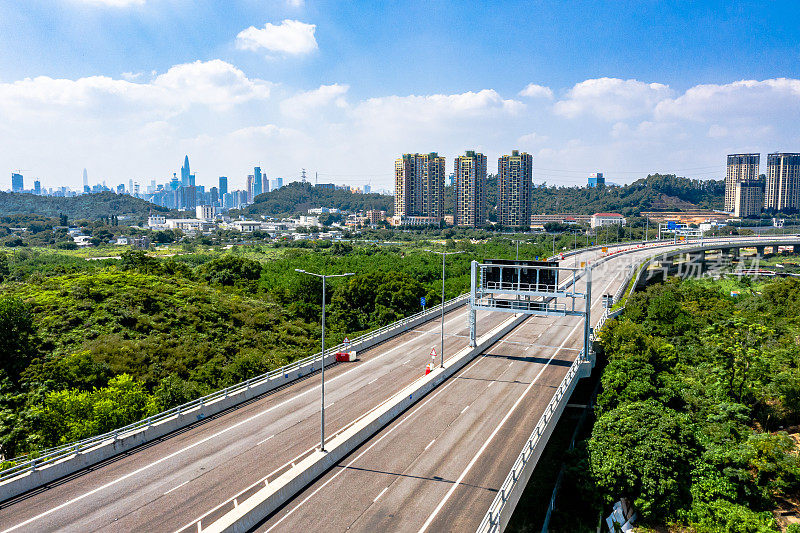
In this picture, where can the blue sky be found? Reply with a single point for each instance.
(125, 87)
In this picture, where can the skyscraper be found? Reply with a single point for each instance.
(419, 185)
(185, 172)
(37, 187)
(85, 179)
(250, 188)
(257, 184)
(783, 182)
(515, 177)
(223, 185)
(17, 184)
(741, 167)
(468, 190)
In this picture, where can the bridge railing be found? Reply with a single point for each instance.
(492, 518)
(23, 464)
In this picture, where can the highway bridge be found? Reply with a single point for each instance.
(438, 465)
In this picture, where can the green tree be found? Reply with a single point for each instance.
(18, 343)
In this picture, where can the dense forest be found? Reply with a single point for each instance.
(298, 197)
(697, 421)
(88, 206)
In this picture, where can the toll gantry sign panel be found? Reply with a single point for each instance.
(521, 286)
(529, 287)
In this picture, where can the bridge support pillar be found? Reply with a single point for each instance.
(472, 328)
(760, 251)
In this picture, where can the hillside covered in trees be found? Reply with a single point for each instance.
(86, 206)
(698, 421)
(298, 197)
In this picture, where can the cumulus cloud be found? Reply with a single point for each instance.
(302, 104)
(749, 100)
(290, 37)
(536, 91)
(612, 99)
(140, 126)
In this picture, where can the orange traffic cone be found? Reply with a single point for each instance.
(428, 369)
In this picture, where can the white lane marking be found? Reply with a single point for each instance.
(485, 445)
(179, 486)
(198, 443)
(373, 381)
(430, 444)
(359, 456)
(490, 384)
(463, 410)
(380, 494)
(406, 362)
(489, 440)
(259, 443)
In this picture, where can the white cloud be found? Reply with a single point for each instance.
(214, 83)
(141, 127)
(113, 3)
(612, 99)
(295, 3)
(300, 105)
(290, 37)
(536, 91)
(749, 100)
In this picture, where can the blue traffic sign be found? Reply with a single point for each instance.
(672, 225)
(422, 301)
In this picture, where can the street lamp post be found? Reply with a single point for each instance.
(443, 254)
(322, 357)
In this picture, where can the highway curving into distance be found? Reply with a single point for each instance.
(436, 467)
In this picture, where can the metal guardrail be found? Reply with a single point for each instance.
(25, 463)
(491, 521)
(49, 456)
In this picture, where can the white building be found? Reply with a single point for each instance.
(189, 224)
(309, 221)
(156, 221)
(247, 226)
(607, 219)
(206, 212)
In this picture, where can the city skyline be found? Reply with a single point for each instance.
(321, 86)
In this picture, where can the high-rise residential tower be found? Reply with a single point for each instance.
(783, 182)
(748, 198)
(185, 172)
(419, 185)
(515, 179)
(468, 189)
(85, 179)
(741, 167)
(223, 185)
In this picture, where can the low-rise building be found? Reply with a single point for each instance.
(411, 220)
(157, 221)
(189, 224)
(247, 226)
(374, 216)
(607, 219)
